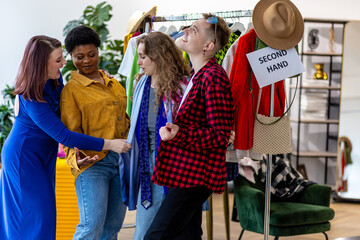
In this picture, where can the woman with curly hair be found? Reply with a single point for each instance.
(156, 101)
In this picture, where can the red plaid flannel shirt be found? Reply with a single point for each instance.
(196, 155)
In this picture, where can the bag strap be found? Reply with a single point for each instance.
(260, 92)
(259, 99)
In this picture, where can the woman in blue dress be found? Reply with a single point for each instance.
(27, 177)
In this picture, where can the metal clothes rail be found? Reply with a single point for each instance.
(196, 16)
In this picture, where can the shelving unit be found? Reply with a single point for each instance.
(316, 114)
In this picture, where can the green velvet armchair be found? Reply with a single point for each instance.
(309, 212)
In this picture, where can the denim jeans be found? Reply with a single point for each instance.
(144, 217)
(101, 209)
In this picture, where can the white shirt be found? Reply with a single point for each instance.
(188, 88)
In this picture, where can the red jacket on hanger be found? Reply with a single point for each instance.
(239, 79)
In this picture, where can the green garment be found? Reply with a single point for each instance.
(186, 57)
(135, 69)
(222, 52)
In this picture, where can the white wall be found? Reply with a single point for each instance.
(350, 105)
(22, 19)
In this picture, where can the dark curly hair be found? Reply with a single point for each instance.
(81, 35)
(170, 64)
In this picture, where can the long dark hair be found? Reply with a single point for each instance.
(33, 72)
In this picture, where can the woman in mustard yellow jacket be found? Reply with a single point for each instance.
(94, 104)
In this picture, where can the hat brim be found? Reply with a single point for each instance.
(270, 40)
(150, 13)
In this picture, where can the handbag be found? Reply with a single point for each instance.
(272, 135)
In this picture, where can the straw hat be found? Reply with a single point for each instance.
(278, 23)
(137, 17)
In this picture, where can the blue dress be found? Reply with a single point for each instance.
(27, 177)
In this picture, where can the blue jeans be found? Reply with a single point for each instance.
(101, 209)
(144, 217)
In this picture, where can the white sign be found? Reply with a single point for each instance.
(271, 65)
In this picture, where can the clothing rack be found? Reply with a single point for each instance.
(196, 16)
(148, 22)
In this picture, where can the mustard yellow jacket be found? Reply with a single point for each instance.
(94, 109)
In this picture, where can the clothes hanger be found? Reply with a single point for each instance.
(184, 25)
(162, 29)
(250, 26)
(237, 26)
(171, 29)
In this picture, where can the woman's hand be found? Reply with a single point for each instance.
(117, 145)
(83, 161)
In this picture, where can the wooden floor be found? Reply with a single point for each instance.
(345, 224)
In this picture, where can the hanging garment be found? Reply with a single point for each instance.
(130, 68)
(135, 69)
(286, 181)
(222, 52)
(237, 28)
(343, 160)
(229, 57)
(176, 35)
(126, 63)
(126, 40)
(239, 78)
(248, 168)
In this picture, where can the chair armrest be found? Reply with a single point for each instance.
(250, 203)
(316, 194)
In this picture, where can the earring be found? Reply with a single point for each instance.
(204, 53)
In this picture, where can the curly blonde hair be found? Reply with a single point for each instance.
(171, 66)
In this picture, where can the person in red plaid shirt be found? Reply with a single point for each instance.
(191, 157)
